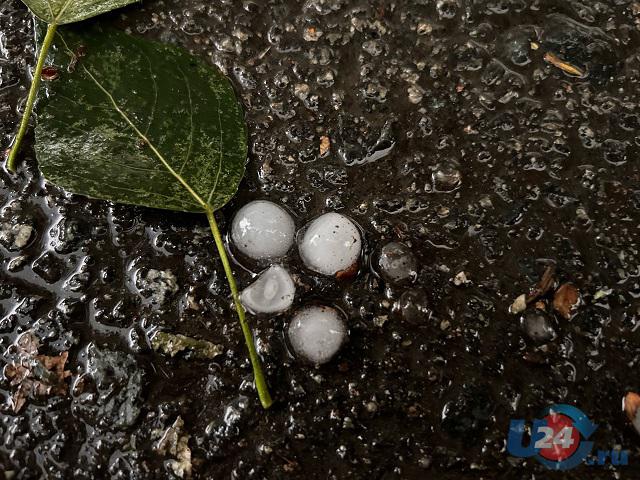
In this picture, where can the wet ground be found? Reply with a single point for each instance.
(452, 128)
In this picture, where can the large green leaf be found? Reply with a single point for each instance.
(139, 122)
(68, 11)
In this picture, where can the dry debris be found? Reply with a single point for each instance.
(566, 299)
(631, 406)
(325, 145)
(175, 443)
(566, 67)
(172, 344)
(35, 375)
(539, 290)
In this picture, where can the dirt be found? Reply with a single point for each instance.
(492, 138)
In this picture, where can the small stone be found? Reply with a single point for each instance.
(301, 90)
(415, 93)
(538, 326)
(461, 279)
(312, 34)
(519, 305)
(172, 344)
(372, 407)
(424, 28)
(380, 320)
(446, 179)
(158, 286)
(15, 236)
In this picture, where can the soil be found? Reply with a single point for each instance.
(491, 137)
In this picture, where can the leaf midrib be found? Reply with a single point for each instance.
(55, 17)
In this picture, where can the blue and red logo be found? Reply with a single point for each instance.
(560, 440)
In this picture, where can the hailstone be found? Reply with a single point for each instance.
(272, 292)
(263, 230)
(316, 333)
(330, 244)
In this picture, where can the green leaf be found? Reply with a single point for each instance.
(59, 12)
(139, 122)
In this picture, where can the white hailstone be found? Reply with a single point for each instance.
(330, 244)
(317, 333)
(272, 292)
(263, 230)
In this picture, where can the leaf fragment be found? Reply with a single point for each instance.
(171, 344)
(35, 375)
(566, 67)
(566, 299)
(631, 406)
(176, 443)
(60, 12)
(544, 285)
(325, 145)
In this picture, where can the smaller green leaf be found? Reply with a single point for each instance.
(59, 12)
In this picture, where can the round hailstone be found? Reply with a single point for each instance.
(272, 292)
(330, 244)
(317, 333)
(263, 230)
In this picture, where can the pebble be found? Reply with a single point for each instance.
(15, 236)
(160, 284)
(537, 325)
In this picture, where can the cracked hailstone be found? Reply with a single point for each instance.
(272, 292)
(317, 333)
(263, 230)
(330, 244)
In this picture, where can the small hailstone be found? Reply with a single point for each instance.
(330, 244)
(317, 333)
(263, 230)
(272, 292)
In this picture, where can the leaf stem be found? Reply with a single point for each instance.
(33, 92)
(261, 384)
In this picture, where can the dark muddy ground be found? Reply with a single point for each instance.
(449, 132)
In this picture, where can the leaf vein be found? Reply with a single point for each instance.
(190, 120)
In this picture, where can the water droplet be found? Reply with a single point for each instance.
(397, 263)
